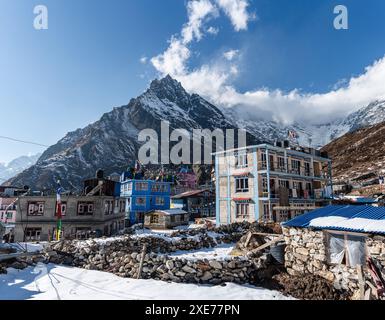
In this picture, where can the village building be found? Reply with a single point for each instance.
(82, 216)
(198, 203)
(166, 219)
(343, 244)
(186, 181)
(270, 183)
(143, 196)
(11, 191)
(101, 186)
(8, 210)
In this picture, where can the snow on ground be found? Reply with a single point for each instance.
(52, 282)
(220, 252)
(22, 246)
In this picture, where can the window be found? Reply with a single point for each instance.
(295, 166)
(242, 184)
(35, 208)
(32, 234)
(63, 208)
(85, 208)
(155, 218)
(283, 183)
(54, 235)
(266, 212)
(160, 201)
(108, 207)
(141, 186)
(83, 233)
(159, 187)
(263, 160)
(346, 249)
(265, 188)
(9, 215)
(307, 169)
(241, 160)
(172, 219)
(281, 164)
(129, 186)
(242, 210)
(283, 215)
(140, 201)
(122, 206)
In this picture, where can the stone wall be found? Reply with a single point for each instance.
(306, 253)
(122, 257)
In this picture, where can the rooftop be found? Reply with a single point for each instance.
(189, 194)
(278, 149)
(349, 218)
(171, 212)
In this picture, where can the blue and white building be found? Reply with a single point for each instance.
(143, 196)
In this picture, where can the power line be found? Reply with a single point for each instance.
(24, 141)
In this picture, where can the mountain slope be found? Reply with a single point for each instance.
(321, 135)
(16, 166)
(358, 153)
(111, 143)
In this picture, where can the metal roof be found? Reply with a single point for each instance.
(351, 218)
(191, 193)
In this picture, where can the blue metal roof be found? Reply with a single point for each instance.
(369, 213)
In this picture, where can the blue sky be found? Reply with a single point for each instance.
(88, 61)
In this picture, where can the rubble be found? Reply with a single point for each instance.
(309, 287)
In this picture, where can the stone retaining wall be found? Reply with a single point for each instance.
(122, 256)
(306, 253)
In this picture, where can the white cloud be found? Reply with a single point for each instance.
(236, 10)
(198, 11)
(231, 54)
(143, 60)
(173, 60)
(213, 31)
(304, 107)
(214, 80)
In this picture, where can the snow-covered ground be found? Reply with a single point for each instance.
(219, 252)
(52, 282)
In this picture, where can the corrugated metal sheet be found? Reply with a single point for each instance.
(363, 219)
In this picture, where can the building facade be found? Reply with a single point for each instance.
(82, 216)
(142, 196)
(166, 219)
(198, 203)
(8, 210)
(268, 183)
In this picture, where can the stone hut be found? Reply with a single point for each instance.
(166, 219)
(336, 242)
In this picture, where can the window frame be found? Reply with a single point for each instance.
(241, 160)
(140, 204)
(242, 210)
(38, 208)
(346, 235)
(242, 185)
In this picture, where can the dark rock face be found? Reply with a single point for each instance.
(112, 142)
(358, 153)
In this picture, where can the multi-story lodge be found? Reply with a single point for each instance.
(36, 218)
(270, 183)
(142, 196)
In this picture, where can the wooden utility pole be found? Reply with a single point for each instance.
(139, 275)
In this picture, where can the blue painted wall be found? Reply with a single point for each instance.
(149, 194)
